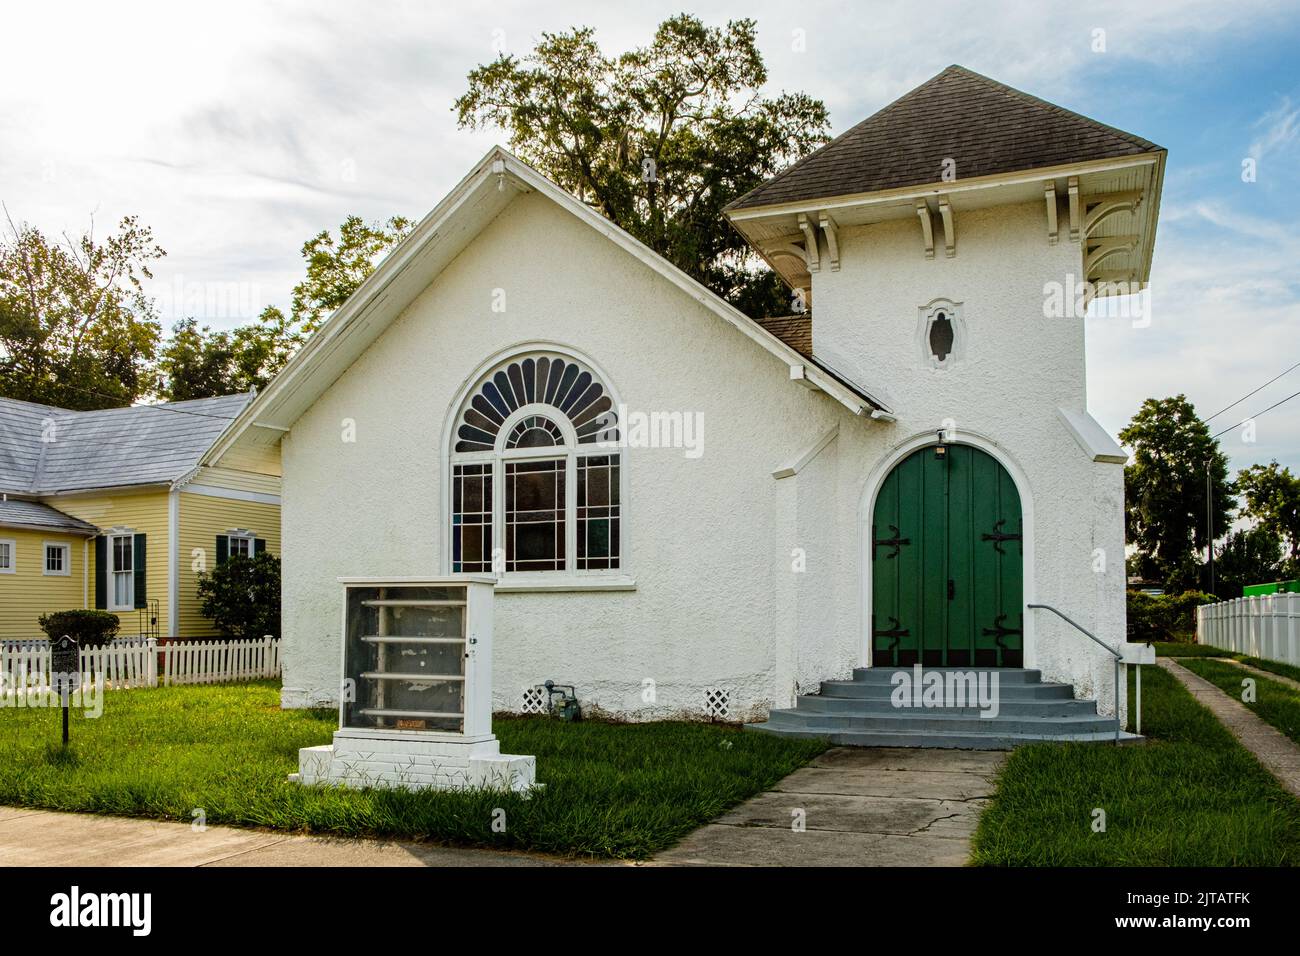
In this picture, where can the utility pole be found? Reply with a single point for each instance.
(1209, 520)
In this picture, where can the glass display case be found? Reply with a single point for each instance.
(406, 654)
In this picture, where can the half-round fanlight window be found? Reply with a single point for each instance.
(570, 390)
(535, 432)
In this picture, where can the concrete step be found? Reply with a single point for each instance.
(881, 691)
(862, 712)
(863, 706)
(917, 720)
(949, 741)
(1006, 675)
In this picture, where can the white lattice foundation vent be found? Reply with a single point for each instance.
(717, 702)
(534, 701)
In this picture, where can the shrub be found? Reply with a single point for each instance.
(241, 596)
(1165, 617)
(87, 628)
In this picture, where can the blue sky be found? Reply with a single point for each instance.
(237, 131)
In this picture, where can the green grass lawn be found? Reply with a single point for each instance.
(1275, 703)
(1179, 649)
(611, 790)
(1191, 796)
(1275, 667)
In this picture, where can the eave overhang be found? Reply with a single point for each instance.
(780, 233)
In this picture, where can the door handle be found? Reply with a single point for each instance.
(952, 589)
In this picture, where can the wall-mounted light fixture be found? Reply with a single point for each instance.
(941, 450)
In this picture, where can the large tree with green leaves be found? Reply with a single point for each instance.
(1271, 495)
(1166, 490)
(76, 328)
(1249, 556)
(197, 362)
(337, 266)
(659, 139)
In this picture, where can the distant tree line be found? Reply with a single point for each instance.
(1180, 501)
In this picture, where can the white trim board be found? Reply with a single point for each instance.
(173, 561)
(806, 457)
(233, 494)
(1092, 438)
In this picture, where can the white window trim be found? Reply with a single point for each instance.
(13, 556)
(926, 315)
(111, 574)
(570, 578)
(67, 559)
(240, 534)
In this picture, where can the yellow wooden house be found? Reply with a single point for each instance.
(111, 509)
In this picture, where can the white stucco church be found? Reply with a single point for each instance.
(693, 513)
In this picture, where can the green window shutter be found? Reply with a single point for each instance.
(101, 573)
(141, 590)
(223, 548)
(259, 546)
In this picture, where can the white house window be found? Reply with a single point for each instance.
(535, 471)
(7, 555)
(241, 545)
(57, 558)
(121, 551)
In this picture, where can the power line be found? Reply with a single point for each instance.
(1256, 415)
(1244, 397)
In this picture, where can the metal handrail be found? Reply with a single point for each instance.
(1096, 640)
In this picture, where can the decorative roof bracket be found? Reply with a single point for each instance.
(812, 252)
(831, 231)
(1096, 250)
(1049, 196)
(1075, 225)
(949, 227)
(927, 227)
(1098, 208)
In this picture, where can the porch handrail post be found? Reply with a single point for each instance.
(1098, 641)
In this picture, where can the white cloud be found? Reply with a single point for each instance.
(1281, 125)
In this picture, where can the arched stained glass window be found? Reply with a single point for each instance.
(561, 383)
(536, 473)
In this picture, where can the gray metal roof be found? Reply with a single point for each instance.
(44, 450)
(33, 514)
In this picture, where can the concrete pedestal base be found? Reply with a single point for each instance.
(404, 759)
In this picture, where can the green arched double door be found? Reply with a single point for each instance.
(947, 562)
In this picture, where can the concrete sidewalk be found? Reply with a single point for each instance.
(44, 838)
(1277, 752)
(859, 807)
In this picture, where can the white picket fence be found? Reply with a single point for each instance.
(1264, 625)
(134, 663)
(211, 662)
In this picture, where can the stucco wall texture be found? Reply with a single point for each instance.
(710, 541)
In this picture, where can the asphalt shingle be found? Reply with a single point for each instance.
(984, 127)
(32, 514)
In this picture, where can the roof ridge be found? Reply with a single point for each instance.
(880, 152)
(1046, 104)
(825, 146)
(23, 401)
